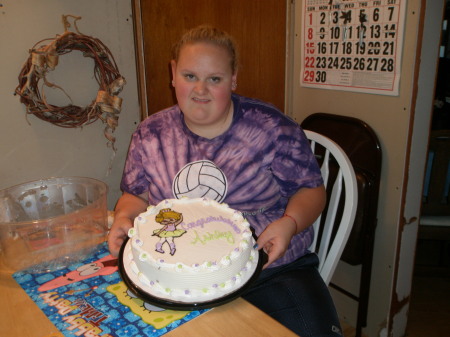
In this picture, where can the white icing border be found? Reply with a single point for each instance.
(142, 282)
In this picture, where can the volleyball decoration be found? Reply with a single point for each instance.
(200, 179)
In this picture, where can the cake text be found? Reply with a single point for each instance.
(201, 222)
(217, 235)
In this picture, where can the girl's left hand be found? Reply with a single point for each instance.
(275, 238)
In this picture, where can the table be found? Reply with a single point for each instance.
(21, 317)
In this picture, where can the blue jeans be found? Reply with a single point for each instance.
(296, 296)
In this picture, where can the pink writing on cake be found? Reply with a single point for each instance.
(206, 237)
(201, 222)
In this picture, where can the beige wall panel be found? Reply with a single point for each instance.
(33, 149)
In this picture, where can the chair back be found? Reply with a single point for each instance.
(361, 144)
(333, 227)
(362, 147)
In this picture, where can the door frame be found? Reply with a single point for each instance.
(140, 59)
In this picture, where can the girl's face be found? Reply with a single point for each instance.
(203, 81)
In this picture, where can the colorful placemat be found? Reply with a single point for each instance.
(90, 299)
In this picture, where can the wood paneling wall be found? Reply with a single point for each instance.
(259, 27)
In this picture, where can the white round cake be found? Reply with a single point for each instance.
(191, 250)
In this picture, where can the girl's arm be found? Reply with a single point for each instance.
(303, 208)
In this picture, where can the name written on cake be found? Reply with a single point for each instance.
(202, 221)
(204, 238)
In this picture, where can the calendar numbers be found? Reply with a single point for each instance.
(315, 76)
(351, 63)
(352, 42)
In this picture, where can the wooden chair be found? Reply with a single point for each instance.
(362, 147)
(333, 227)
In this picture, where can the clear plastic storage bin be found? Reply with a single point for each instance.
(49, 224)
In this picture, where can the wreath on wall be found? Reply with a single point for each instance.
(44, 58)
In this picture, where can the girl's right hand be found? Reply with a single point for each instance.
(118, 234)
(128, 207)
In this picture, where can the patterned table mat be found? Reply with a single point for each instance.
(89, 299)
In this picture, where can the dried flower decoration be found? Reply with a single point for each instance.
(44, 58)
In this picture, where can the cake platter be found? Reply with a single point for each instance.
(148, 295)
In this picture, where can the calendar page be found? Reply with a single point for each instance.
(352, 45)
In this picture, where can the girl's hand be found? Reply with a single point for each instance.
(276, 237)
(302, 210)
(128, 207)
(118, 234)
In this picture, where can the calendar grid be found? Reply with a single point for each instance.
(352, 45)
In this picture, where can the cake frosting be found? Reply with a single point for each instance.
(191, 249)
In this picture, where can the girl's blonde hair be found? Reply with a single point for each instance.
(167, 213)
(208, 34)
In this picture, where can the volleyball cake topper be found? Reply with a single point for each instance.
(200, 179)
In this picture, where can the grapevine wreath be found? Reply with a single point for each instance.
(44, 58)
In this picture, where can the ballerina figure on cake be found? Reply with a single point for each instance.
(170, 220)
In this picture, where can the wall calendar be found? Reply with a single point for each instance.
(352, 45)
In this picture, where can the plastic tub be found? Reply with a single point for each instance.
(46, 225)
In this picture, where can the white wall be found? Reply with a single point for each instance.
(33, 149)
(392, 119)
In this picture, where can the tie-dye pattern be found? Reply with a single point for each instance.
(264, 154)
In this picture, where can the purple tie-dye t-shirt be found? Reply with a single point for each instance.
(255, 166)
